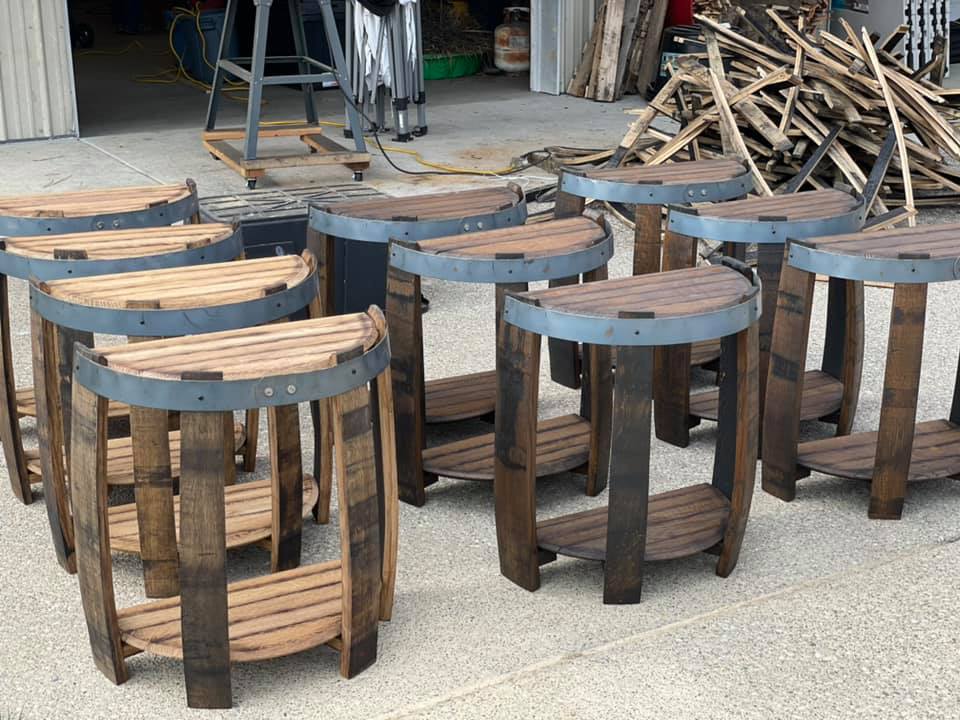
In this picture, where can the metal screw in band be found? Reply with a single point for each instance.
(268, 392)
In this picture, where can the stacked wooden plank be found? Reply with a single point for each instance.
(623, 53)
(818, 114)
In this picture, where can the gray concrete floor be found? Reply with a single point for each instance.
(827, 615)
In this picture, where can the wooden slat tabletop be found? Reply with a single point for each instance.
(92, 202)
(678, 173)
(439, 206)
(939, 241)
(555, 237)
(118, 244)
(808, 205)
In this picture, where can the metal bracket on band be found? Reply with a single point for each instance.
(163, 214)
(686, 221)
(858, 267)
(501, 270)
(382, 231)
(172, 322)
(23, 267)
(655, 194)
(601, 330)
(226, 395)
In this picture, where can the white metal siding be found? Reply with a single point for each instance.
(558, 31)
(37, 98)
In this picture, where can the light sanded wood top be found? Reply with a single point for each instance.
(808, 205)
(247, 513)
(250, 353)
(692, 291)
(118, 244)
(678, 173)
(554, 237)
(185, 287)
(269, 616)
(438, 206)
(937, 241)
(85, 203)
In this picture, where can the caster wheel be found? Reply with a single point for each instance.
(358, 177)
(251, 184)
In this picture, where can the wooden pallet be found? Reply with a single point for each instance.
(323, 151)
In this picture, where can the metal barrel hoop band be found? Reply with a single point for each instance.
(655, 193)
(460, 268)
(688, 221)
(227, 395)
(156, 216)
(25, 268)
(146, 322)
(653, 331)
(912, 270)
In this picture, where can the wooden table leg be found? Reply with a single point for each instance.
(629, 476)
(788, 358)
(515, 472)
(384, 425)
(203, 578)
(50, 434)
(898, 412)
(565, 366)
(843, 346)
(89, 491)
(404, 318)
(601, 389)
(360, 528)
(153, 489)
(671, 386)
(648, 228)
(769, 267)
(286, 487)
(735, 463)
(251, 426)
(9, 419)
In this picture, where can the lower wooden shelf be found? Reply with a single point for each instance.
(120, 457)
(679, 523)
(269, 616)
(27, 405)
(821, 397)
(936, 453)
(461, 397)
(247, 510)
(563, 443)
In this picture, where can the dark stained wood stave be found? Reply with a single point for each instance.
(287, 487)
(562, 443)
(705, 352)
(647, 244)
(820, 398)
(935, 454)
(679, 523)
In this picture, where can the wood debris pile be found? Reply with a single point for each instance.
(623, 53)
(817, 113)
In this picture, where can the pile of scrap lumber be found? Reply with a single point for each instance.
(623, 53)
(823, 113)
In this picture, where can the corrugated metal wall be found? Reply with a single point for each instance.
(558, 31)
(37, 98)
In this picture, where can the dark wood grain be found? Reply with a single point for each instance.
(518, 374)
(286, 482)
(647, 234)
(203, 581)
(360, 533)
(898, 411)
(785, 384)
(404, 318)
(9, 423)
(629, 476)
(89, 495)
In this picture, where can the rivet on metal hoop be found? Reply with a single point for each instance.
(291, 389)
(268, 392)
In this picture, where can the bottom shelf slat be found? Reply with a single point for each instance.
(461, 397)
(679, 523)
(936, 453)
(270, 616)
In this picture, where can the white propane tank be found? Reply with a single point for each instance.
(511, 41)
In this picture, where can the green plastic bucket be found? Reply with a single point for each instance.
(438, 67)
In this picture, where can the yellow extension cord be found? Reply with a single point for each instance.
(180, 73)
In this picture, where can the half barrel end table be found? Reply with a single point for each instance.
(901, 450)
(831, 392)
(633, 315)
(509, 259)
